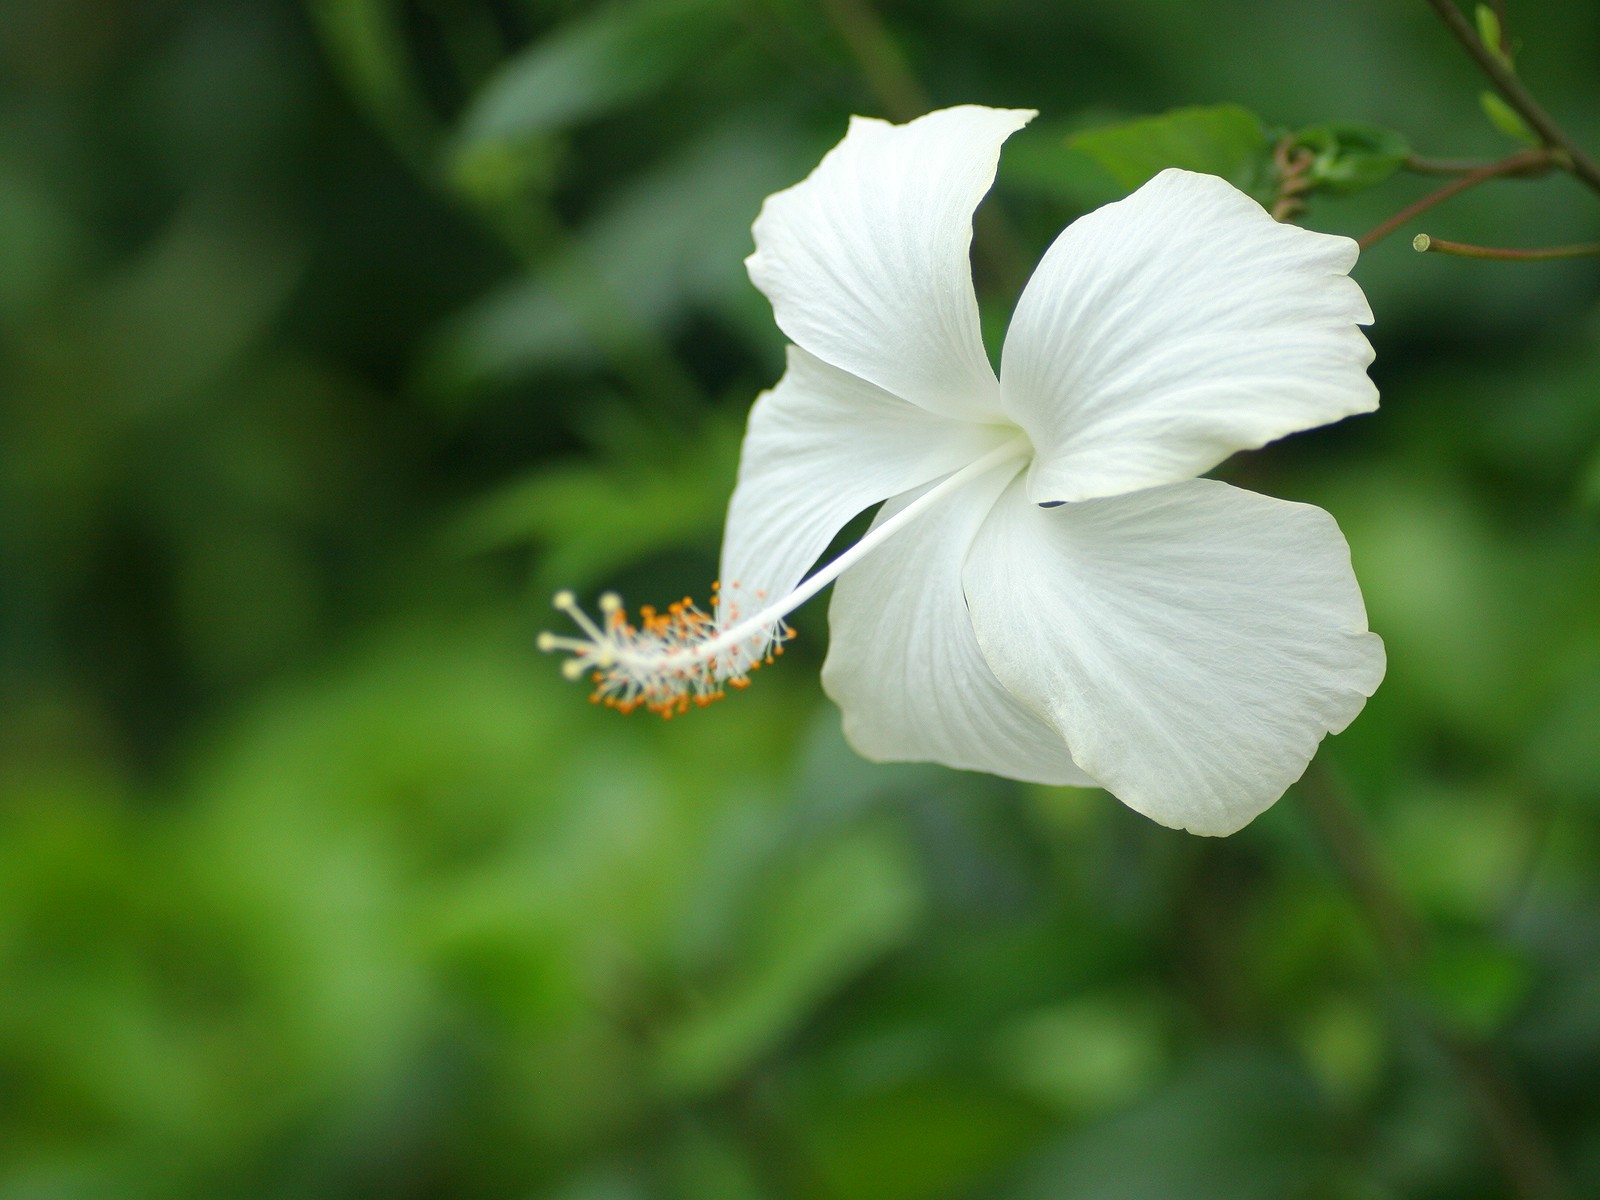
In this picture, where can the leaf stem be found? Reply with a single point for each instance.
(1526, 1160)
(1524, 162)
(1515, 94)
(1424, 244)
(759, 624)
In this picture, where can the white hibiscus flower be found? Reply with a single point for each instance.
(1048, 593)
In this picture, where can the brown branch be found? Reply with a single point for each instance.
(1293, 164)
(879, 58)
(1419, 164)
(1515, 94)
(1524, 162)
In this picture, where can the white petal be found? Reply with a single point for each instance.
(867, 260)
(1192, 642)
(904, 667)
(821, 447)
(1164, 332)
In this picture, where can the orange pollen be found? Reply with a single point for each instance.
(670, 661)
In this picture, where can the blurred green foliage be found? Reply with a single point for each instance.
(333, 337)
(1226, 140)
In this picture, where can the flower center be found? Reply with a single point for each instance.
(668, 662)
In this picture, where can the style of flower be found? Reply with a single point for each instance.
(1048, 592)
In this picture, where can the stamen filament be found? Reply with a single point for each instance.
(674, 659)
(754, 625)
(568, 603)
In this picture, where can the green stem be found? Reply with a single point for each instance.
(1424, 244)
(1526, 1160)
(1343, 830)
(777, 1157)
(1515, 94)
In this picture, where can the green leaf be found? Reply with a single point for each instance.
(1225, 140)
(1342, 1041)
(591, 518)
(1238, 1124)
(1088, 1055)
(842, 910)
(1475, 985)
(1589, 487)
(366, 42)
(1563, 754)
(592, 66)
(666, 243)
(1506, 119)
(1352, 157)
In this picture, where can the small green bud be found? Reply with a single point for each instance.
(1491, 34)
(1506, 119)
(1351, 157)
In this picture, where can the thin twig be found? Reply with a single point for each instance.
(878, 57)
(1424, 244)
(1524, 162)
(1344, 832)
(1526, 1160)
(1515, 94)
(1419, 164)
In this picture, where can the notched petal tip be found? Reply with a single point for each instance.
(866, 260)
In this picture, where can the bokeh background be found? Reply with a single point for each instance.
(334, 337)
